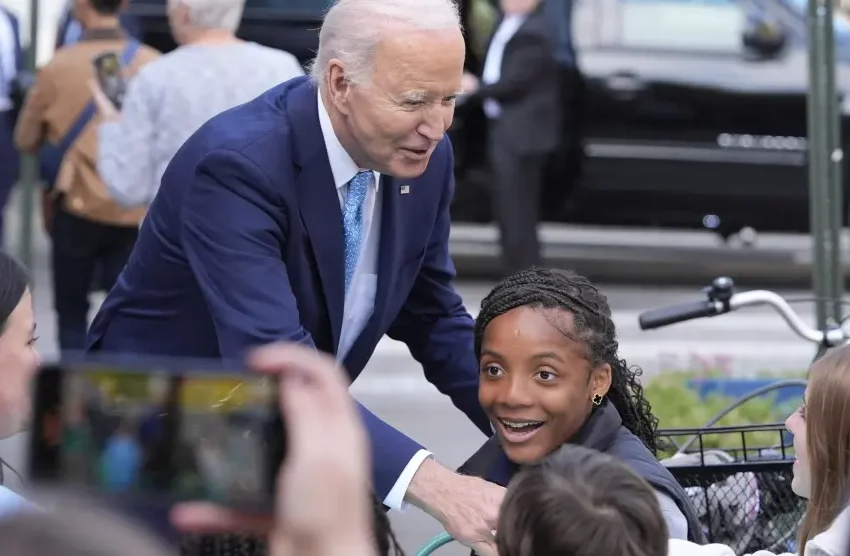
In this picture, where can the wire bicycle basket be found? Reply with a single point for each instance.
(742, 491)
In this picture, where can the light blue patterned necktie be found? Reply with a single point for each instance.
(352, 221)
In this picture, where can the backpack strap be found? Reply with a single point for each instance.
(89, 111)
(52, 155)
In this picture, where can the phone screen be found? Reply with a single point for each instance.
(168, 434)
(108, 71)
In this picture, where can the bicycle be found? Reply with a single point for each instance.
(721, 298)
(754, 481)
(710, 475)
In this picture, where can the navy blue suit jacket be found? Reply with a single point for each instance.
(243, 246)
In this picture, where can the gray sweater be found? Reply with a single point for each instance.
(169, 99)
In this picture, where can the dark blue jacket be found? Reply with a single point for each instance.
(604, 432)
(243, 246)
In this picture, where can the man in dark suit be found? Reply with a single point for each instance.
(11, 63)
(322, 217)
(520, 90)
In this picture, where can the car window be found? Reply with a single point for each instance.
(587, 22)
(693, 25)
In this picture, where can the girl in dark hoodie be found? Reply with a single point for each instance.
(550, 375)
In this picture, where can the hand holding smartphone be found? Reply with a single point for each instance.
(164, 431)
(110, 79)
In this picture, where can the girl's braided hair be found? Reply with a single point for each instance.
(385, 539)
(593, 326)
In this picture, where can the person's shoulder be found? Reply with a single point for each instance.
(63, 56)
(241, 126)
(834, 541)
(148, 54)
(273, 53)
(537, 27)
(160, 65)
(259, 130)
(274, 63)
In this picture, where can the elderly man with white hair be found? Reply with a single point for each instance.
(319, 213)
(210, 72)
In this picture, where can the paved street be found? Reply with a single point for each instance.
(393, 387)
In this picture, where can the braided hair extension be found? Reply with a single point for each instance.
(385, 539)
(593, 326)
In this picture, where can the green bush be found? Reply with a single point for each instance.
(678, 407)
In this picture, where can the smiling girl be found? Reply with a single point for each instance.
(550, 375)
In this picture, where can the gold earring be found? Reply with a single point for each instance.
(596, 399)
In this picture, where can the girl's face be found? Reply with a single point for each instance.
(796, 425)
(535, 382)
(19, 361)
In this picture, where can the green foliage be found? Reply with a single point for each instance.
(678, 407)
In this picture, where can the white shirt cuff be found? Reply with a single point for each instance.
(395, 498)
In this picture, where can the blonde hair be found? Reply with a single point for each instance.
(827, 441)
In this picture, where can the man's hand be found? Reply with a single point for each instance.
(323, 486)
(107, 110)
(468, 507)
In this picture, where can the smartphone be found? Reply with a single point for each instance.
(164, 431)
(107, 69)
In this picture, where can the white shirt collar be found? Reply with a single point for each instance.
(343, 166)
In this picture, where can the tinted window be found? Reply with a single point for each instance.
(705, 25)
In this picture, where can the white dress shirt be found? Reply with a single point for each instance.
(360, 298)
(493, 61)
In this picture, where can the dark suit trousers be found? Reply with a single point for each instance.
(516, 189)
(80, 248)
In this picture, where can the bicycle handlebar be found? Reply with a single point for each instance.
(721, 298)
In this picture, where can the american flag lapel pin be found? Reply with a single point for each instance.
(404, 189)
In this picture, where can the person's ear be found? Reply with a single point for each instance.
(339, 87)
(600, 382)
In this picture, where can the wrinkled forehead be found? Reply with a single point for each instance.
(419, 64)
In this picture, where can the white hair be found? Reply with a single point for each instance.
(214, 14)
(352, 30)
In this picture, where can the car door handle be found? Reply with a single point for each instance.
(624, 86)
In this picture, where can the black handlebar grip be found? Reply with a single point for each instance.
(666, 316)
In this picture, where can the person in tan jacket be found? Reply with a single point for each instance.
(89, 231)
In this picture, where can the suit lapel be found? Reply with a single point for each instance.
(318, 201)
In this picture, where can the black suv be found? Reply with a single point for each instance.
(687, 113)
